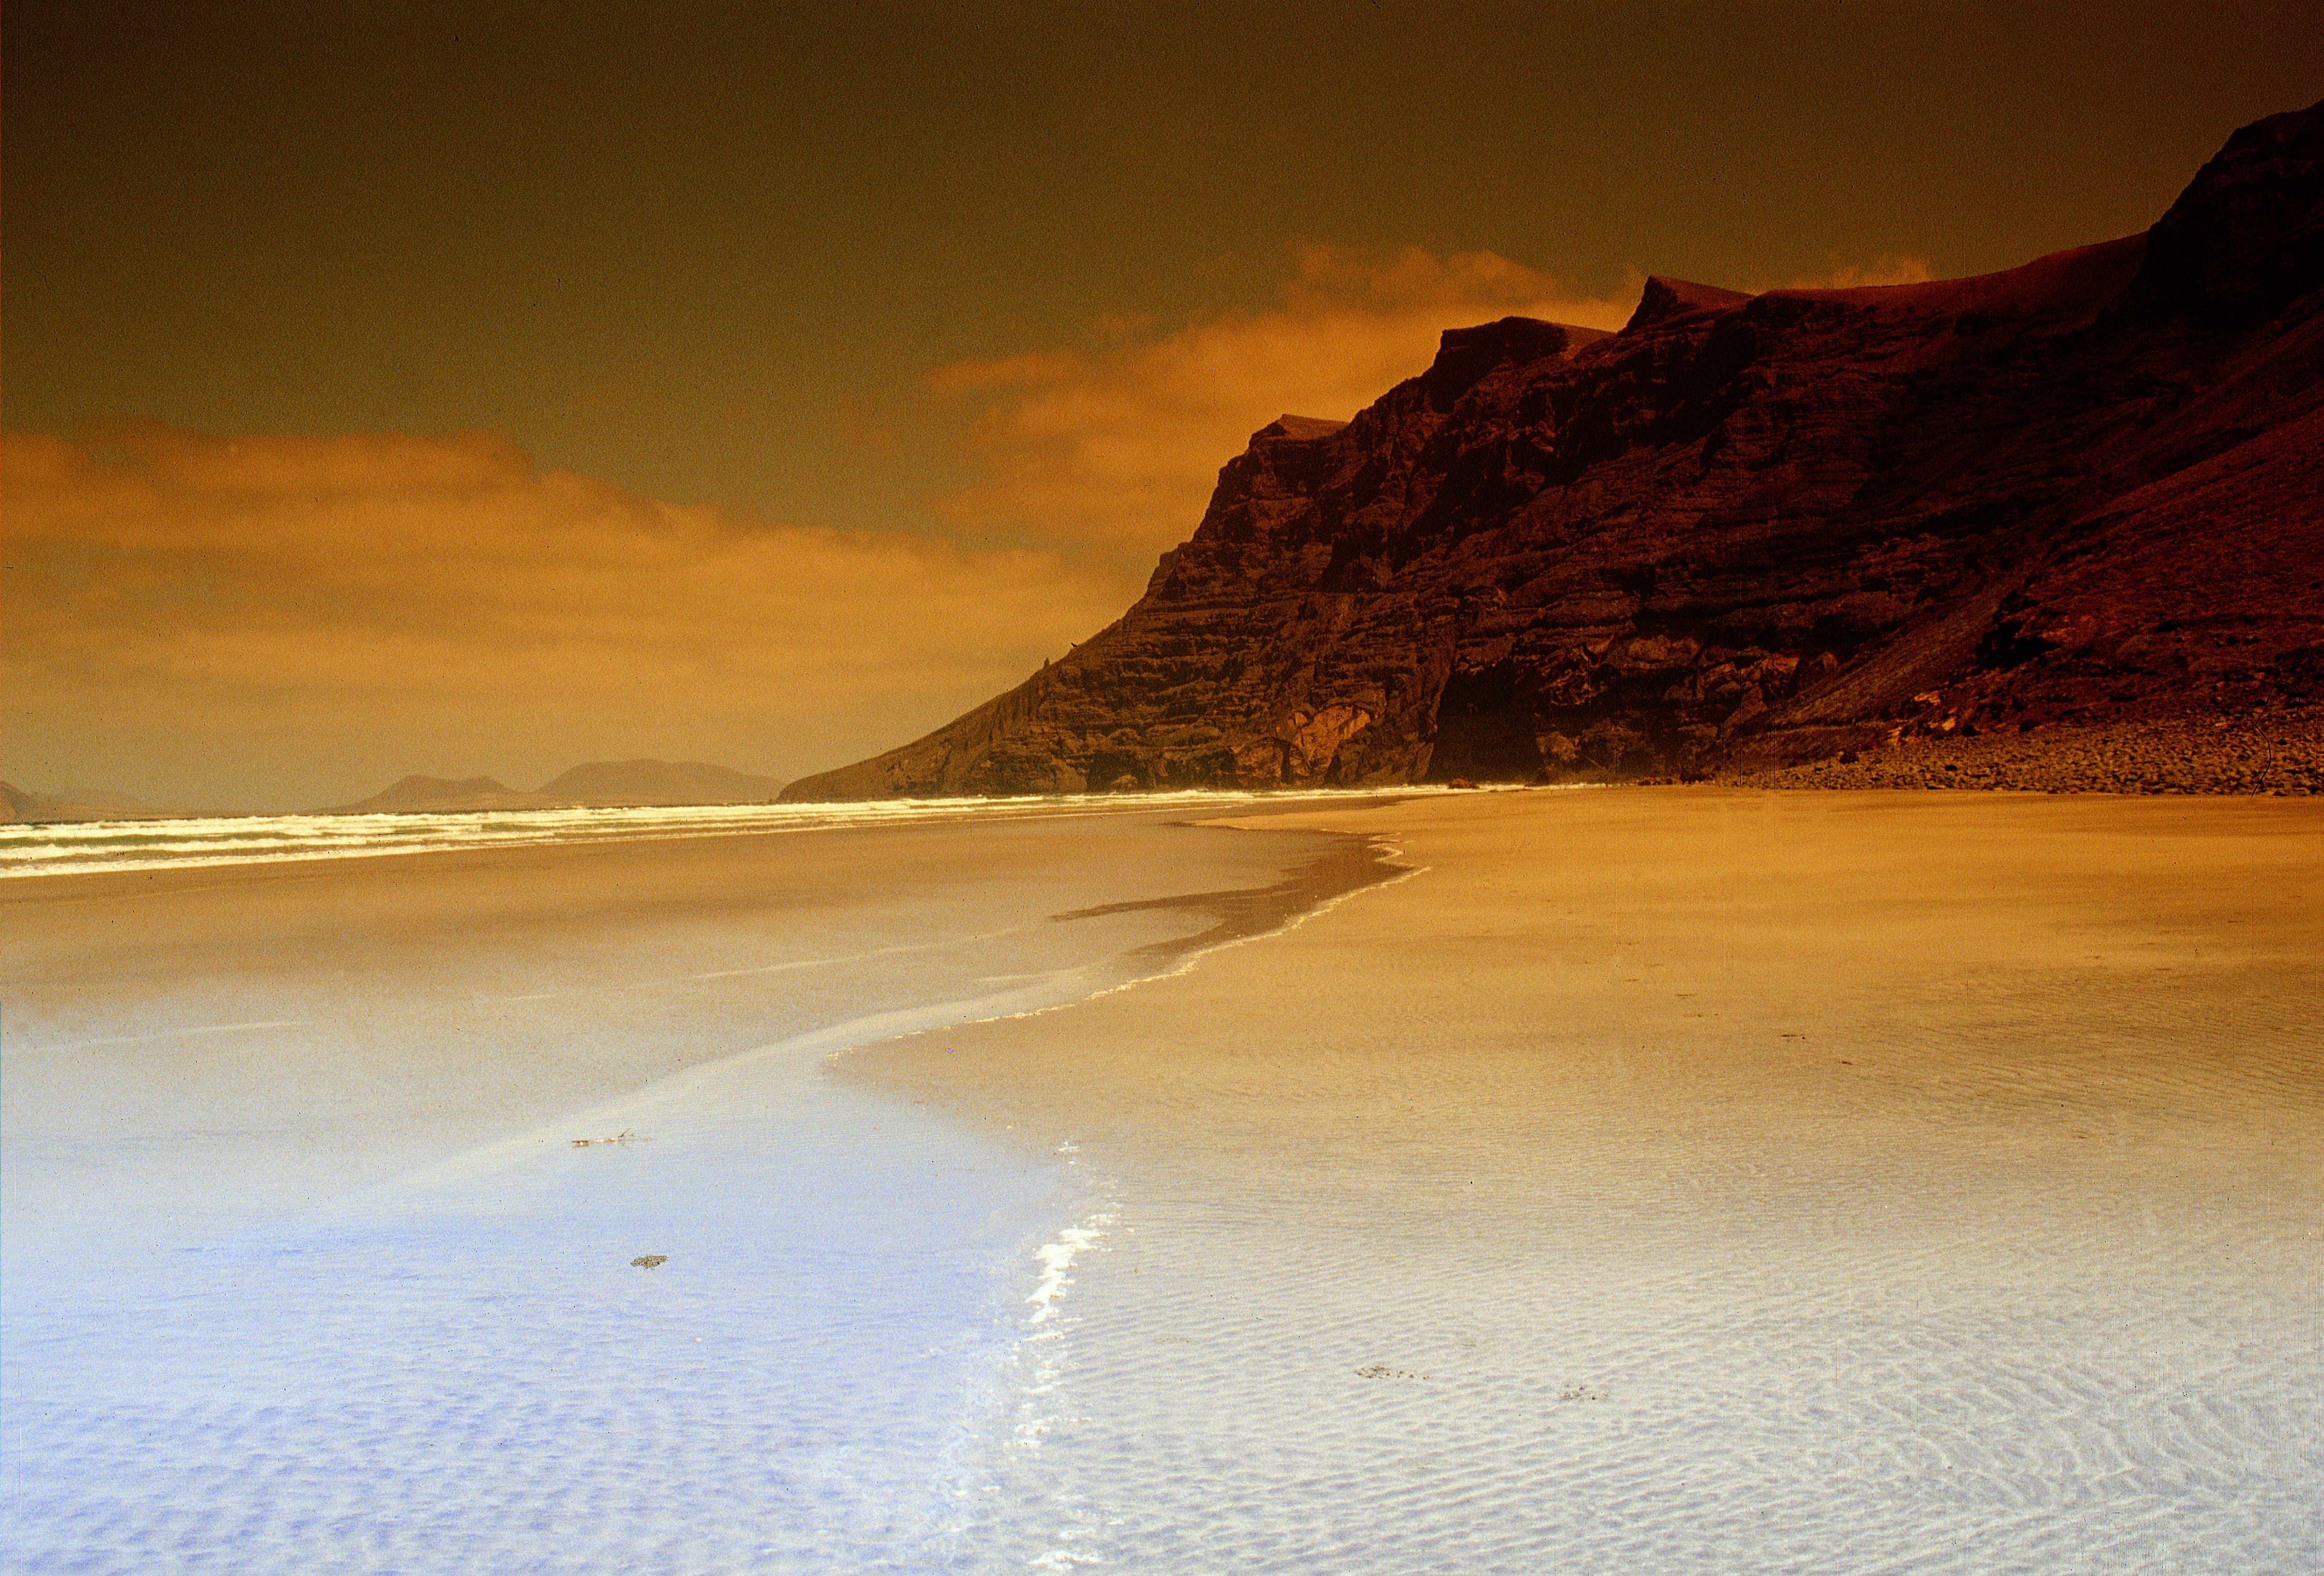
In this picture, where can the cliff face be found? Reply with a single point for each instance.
(1745, 530)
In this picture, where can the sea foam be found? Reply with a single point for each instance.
(28, 849)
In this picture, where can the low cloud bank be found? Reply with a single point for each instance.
(1888, 268)
(282, 621)
(285, 621)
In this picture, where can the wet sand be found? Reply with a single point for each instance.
(1691, 1179)
(1662, 969)
(235, 1040)
(1685, 1180)
(493, 1210)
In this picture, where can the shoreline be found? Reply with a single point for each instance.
(411, 1006)
(383, 1212)
(2133, 837)
(36, 851)
(2229, 751)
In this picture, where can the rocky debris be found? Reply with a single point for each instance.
(2276, 750)
(1744, 534)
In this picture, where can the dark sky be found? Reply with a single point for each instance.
(789, 263)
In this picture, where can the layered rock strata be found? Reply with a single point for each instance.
(1743, 532)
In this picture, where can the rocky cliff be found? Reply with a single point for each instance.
(1745, 531)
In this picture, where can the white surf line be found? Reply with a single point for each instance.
(169, 1034)
(382, 834)
(373, 842)
(1045, 1351)
(384, 851)
(1056, 1260)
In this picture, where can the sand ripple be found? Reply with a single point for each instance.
(1964, 1400)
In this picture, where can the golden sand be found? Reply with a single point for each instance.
(1581, 988)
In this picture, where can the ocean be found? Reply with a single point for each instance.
(31, 849)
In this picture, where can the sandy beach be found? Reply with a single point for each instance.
(1654, 971)
(1682, 1179)
(1156, 790)
(1698, 1179)
(360, 1017)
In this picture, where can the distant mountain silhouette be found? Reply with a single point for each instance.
(658, 782)
(441, 795)
(597, 784)
(77, 803)
(18, 805)
(106, 799)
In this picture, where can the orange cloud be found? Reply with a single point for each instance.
(1118, 447)
(297, 620)
(1888, 268)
